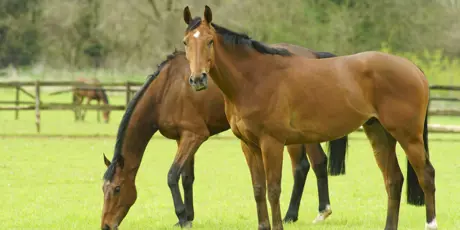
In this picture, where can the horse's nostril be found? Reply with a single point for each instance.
(106, 227)
(190, 80)
(204, 75)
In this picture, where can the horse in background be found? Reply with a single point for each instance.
(91, 89)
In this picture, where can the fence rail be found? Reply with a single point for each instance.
(129, 88)
(62, 83)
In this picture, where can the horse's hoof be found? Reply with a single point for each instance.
(184, 224)
(290, 219)
(432, 225)
(323, 215)
(264, 227)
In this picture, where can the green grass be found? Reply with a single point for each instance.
(55, 183)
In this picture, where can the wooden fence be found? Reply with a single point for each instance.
(129, 88)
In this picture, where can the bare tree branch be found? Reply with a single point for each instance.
(169, 5)
(143, 14)
(155, 9)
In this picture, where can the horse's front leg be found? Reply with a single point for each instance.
(256, 167)
(272, 154)
(188, 144)
(188, 177)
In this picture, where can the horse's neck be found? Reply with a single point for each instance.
(140, 129)
(226, 73)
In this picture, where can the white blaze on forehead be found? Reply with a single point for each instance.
(196, 34)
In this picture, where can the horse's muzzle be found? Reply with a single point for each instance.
(199, 82)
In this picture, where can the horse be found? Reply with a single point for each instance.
(91, 89)
(275, 98)
(162, 104)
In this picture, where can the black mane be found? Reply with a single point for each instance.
(118, 155)
(231, 37)
(322, 55)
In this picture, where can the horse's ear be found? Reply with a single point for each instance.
(207, 14)
(187, 15)
(106, 161)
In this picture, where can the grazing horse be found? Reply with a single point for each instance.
(167, 103)
(275, 98)
(91, 89)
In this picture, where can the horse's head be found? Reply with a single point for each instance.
(119, 194)
(106, 115)
(199, 47)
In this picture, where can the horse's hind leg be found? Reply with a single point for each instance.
(318, 160)
(414, 148)
(187, 146)
(77, 102)
(300, 168)
(384, 146)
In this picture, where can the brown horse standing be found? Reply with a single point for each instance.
(91, 89)
(167, 103)
(273, 98)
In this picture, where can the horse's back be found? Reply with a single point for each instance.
(295, 49)
(356, 87)
(395, 72)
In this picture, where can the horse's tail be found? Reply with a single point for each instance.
(415, 195)
(337, 150)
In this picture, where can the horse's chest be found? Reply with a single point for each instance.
(169, 130)
(243, 129)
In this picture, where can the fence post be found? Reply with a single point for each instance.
(128, 92)
(37, 105)
(17, 102)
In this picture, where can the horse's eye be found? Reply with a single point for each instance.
(116, 190)
(210, 43)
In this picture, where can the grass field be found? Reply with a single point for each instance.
(55, 183)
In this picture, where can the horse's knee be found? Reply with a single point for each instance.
(302, 168)
(274, 192)
(173, 176)
(320, 168)
(259, 192)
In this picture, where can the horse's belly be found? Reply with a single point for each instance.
(324, 126)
